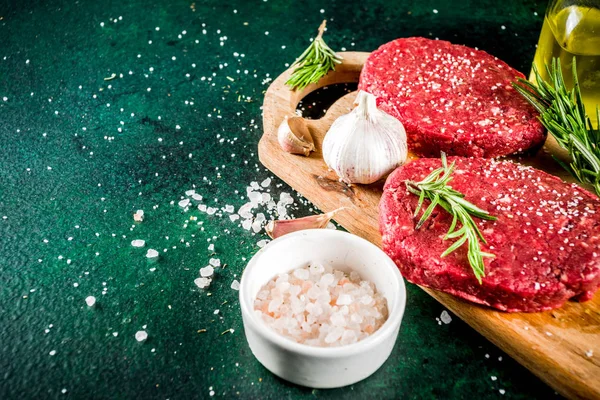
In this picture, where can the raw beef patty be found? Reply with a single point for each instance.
(546, 240)
(451, 98)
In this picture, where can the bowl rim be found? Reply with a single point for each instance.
(382, 334)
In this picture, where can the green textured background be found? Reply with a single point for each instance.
(53, 58)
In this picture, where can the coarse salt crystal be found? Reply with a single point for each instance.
(445, 317)
(215, 262)
(235, 285)
(301, 274)
(266, 182)
(202, 283)
(140, 336)
(184, 203)
(90, 301)
(344, 299)
(151, 253)
(138, 243)
(207, 271)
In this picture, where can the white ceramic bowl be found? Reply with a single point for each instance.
(322, 367)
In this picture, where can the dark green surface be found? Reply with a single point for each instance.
(97, 184)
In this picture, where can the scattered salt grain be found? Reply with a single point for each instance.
(235, 285)
(202, 283)
(207, 271)
(138, 243)
(589, 353)
(266, 182)
(152, 253)
(90, 301)
(140, 336)
(184, 203)
(138, 216)
(445, 317)
(52, 352)
(215, 262)
(299, 305)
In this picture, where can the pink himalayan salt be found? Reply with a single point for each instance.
(319, 306)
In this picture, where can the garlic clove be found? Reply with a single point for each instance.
(277, 228)
(366, 144)
(294, 136)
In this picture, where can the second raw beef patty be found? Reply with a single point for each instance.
(451, 98)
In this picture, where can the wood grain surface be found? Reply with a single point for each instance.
(555, 345)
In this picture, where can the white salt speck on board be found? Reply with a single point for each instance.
(235, 285)
(152, 253)
(138, 243)
(52, 352)
(90, 301)
(140, 336)
(215, 262)
(493, 378)
(589, 353)
(502, 391)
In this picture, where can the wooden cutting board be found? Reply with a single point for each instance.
(552, 344)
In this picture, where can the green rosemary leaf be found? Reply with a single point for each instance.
(435, 188)
(420, 203)
(563, 114)
(455, 246)
(314, 63)
(434, 202)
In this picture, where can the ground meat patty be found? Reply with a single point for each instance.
(546, 239)
(451, 98)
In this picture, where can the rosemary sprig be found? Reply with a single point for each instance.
(316, 61)
(563, 114)
(435, 188)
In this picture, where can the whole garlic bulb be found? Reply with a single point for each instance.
(366, 144)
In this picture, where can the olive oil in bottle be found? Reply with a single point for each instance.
(573, 32)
